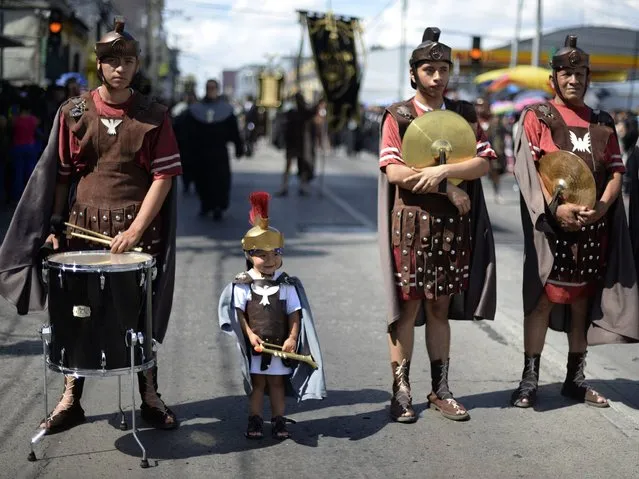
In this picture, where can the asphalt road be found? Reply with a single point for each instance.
(331, 246)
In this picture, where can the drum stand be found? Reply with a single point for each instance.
(132, 339)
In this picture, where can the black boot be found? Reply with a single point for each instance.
(575, 386)
(153, 409)
(401, 407)
(68, 413)
(526, 394)
(440, 397)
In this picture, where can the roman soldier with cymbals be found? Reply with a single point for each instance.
(435, 237)
(578, 271)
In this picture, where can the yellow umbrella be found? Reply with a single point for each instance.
(525, 76)
(491, 75)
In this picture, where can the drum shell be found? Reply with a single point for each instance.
(90, 313)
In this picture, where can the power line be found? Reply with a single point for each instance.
(378, 15)
(240, 11)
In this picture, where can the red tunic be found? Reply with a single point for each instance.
(541, 142)
(159, 154)
(391, 147)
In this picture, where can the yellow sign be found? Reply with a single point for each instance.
(270, 90)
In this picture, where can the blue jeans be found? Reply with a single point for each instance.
(24, 158)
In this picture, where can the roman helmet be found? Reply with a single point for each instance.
(570, 56)
(261, 236)
(116, 43)
(430, 50)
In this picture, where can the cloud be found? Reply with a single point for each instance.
(214, 39)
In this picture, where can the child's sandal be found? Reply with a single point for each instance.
(255, 429)
(278, 428)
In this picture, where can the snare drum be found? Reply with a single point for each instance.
(95, 298)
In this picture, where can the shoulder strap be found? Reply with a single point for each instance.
(547, 114)
(75, 107)
(284, 279)
(603, 118)
(462, 108)
(403, 113)
(242, 278)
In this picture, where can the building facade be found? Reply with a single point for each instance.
(45, 55)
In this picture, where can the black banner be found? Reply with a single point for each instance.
(333, 44)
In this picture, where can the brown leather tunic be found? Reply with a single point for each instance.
(265, 313)
(431, 239)
(111, 188)
(580, 256)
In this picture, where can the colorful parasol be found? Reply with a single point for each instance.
(525, 76)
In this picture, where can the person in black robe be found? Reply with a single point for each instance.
(208, 127)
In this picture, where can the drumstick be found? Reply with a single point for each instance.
(84, 230)
(99, 240)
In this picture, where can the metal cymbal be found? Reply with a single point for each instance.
(436, 130)
(570, 174)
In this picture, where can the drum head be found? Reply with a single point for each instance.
(100, 261)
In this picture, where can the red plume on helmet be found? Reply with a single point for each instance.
(259, 208)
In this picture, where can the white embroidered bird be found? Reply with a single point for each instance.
(580, 144)
(265, 292)
(111, 125)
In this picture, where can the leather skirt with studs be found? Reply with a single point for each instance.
(431, 248)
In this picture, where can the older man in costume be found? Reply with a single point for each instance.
(437, 249)
(578, 274)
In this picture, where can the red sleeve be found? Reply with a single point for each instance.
(484, 148)
(65, 163)
(165, 155)
(390, 150)
(533, 129)
(612, 156)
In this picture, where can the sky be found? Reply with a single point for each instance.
(216, 35)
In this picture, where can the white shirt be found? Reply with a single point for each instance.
(242, 294)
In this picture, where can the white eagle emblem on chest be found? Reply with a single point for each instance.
(111, 125)
(580, 144)
(264, 292)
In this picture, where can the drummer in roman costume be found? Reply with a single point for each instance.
(578, 274)
(264, 306)
(437, 249)
(110, 166)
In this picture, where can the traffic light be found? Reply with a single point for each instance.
(475, 52)
(55, 30)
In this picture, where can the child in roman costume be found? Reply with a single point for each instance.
(264, 305)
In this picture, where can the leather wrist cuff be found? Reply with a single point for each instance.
(552, 207)
(56, 225)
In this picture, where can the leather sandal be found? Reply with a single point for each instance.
(158, 418)
(448, 407)
(576, 387)
(255, 428)
(401, 406)
(63, 420)
(278, 428)
(525, 395)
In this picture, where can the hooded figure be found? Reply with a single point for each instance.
(437, 249)
(265, 309)
(578, 274)
(110, 167)
(207, 128)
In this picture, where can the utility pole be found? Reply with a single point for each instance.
(633, 79)
(1, 33)
(154, 13)
(402, 52)
(534, 61)
(514, 49)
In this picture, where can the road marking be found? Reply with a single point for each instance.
(340, 203)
